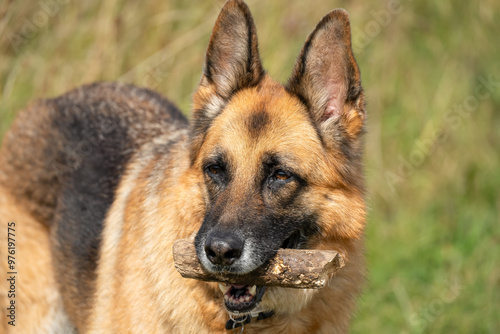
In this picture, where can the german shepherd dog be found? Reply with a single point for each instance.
(99, 183)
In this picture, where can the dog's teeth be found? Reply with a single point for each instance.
(226, 298)
(224, 287)
(247, 298)
(252, 290)
(241, 299)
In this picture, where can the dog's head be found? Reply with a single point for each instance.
(281, 163)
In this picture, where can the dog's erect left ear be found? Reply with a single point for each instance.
(232, 61)
(327, 78)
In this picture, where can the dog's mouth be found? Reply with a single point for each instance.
(241, 298)
(295, 241)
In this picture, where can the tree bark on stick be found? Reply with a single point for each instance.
(290, 268)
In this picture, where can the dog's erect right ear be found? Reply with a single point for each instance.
(232, 62)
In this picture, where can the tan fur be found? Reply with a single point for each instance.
(176, 305)
(39, 308)
(316, 122)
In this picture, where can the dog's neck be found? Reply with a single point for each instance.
(236, 321)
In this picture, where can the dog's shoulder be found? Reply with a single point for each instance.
(63, 159)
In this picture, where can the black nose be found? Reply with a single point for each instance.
(223, 250)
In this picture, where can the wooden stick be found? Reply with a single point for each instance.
(291, 268)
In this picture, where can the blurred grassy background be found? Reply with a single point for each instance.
(433, 142)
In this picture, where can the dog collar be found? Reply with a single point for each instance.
(236, 322)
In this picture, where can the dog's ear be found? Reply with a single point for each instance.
(326, 77)
(232, 62)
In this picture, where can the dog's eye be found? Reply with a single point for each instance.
(214, 169)
(281, 175)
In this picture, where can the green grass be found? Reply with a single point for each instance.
(433, 232)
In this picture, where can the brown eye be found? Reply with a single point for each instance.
(214, 169)
(281, 175)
